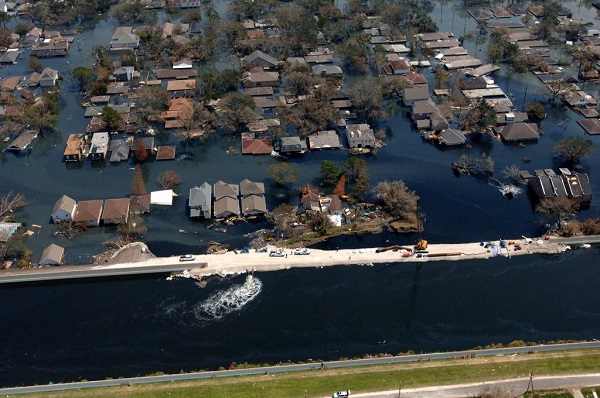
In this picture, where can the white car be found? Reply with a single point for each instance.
(187, 257)
(302, 251)
(277, 253)
(339, 394)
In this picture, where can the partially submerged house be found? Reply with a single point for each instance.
(360, 136)
(200, 201)
(52, 255)
(518, 132)
(23, 141)
(116, 211)
(326, 139)
(99, 146)
(74, 148)
(253, 198)
(63, 210)
(226, 200)
(546, 184)
(88, 213)
(259, 59)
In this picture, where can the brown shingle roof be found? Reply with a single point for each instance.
(115, 209)
(88, 210)
(165, 153)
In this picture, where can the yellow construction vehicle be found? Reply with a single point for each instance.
(421, 244)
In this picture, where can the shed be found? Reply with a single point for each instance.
(52, 255)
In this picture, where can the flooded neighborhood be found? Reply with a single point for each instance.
(233, 126)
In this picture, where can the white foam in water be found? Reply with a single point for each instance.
(233, 299)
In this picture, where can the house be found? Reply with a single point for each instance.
(10, 83)
(125, 74)
(54, 47)
(253, 198)
(119, 150)
(451, 137)
(259, 91)
(327, 139)
(252, 145)
(124, 38)
(181, 88)
(88, 213)
(415, 77)
(99, 146)
(424, 109)
(415, 93)
(7, 229)
(579, 98)
(518, 132)
(360, 136)
(178, 74)
(165, 152)
(10, 56)
(310, 199)
(184, 63)
(32, 36)
(200, 201)
(32, 79)
(74, 149)
(546, 184)
(591, 126)
(226, 200)
(116, 211)
(139, 204)
(52, 255)
(63, 209)
(291, 145)
(472, 83)
(511, 117)
(327, 70)
(184, 3)
(260, 79)
(397, 67)
(23, 141)
(259, 59)
(48, 77)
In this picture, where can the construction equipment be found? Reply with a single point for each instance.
(421, 244)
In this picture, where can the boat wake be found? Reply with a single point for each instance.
(227, 301)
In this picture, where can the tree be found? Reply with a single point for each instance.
(34, 64)
(112, 118)
(168, 179)
(132, 229)
(357, 171)
(398, 200)
(557, 208)
(151, 102)
(281, 217)
(196, 121)
(318, 222)
(11, 202)
(83, 76)
(572, 149)
(480, 118)
(535, 111)
(329, 172)
(140, 153)
(367, 99)
(237, 110)
(138, 186)
(340, 187)
(282, 173)
(557, 88)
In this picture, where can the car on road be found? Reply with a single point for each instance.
(187, 257)
(302, 251)
(277, 253)
(339, 394)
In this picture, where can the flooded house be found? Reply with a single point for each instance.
(360, 136)
(88, 212)
(200, 201)
(416, 93)
(74, 148)
(52, 255)
(516, 132)
(226, 200)
(99, 146)
(326, 139)
(253, 198)
(23, 141)
(259, 59)
(546, 184)
(115, 211)
(63, 209)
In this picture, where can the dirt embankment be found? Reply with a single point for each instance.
(130, 253)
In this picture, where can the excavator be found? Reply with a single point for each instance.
(421, 244)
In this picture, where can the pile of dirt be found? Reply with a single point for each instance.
(130, 253)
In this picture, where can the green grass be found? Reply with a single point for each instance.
(364, 379)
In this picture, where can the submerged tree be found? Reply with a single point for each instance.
(572, 149)
(557, 209)
(168, 179)
(282, 173)
(398, 200)
(329, 172)
(11, 202)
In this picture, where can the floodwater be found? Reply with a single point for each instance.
(135, 326)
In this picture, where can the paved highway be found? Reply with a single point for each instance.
(301, 367)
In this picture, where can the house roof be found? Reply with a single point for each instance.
(254, 204)
(452, 137)
(222, 189)
(10, 83)
(200, 198)
(591, 126)
(518, 132)
(324, 139)
(74, 144)
(424, 107)
(250, 59)
(23, 141)
(357, 131)
(52, 254)
(328, 69)
(64, 203)
(116, 209)
(258, 91)
(248, 187)
(257, 146)
(7, 229)
(175, 73)
(415, 78)
(10, 56)
(88, 210)
(119, 150)
(256, 77)
(165, 152)
(226, 205)
(419, 92)
(139, 204)
(178, 85)
(49, 74)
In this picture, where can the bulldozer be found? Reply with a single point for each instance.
(421, 244)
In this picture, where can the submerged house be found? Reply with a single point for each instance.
(546, 184)
(226, 200)
(23, 141)
(74, 149)
(360, 136)
(116, 211)
(518, 132)
(63, 210)
(88, 213)
(99, 146)
(200, 201)
(52, 255)
(253, 198)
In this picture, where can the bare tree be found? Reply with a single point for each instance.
(557, 209)
(168, 179)
(398, 200)
(11, 202)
